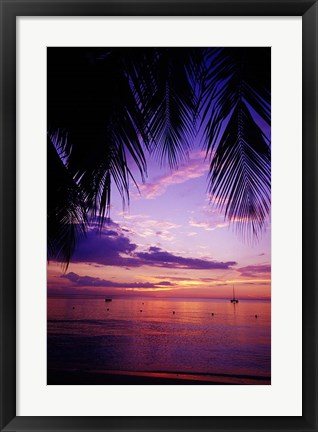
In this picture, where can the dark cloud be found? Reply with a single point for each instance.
(110, 233)
(159, 258)
(254, 270)
(110, 247)
(97, 282)
(154, 249)
(176, 278)
(185, 279)
(209, 280)
(105, 248)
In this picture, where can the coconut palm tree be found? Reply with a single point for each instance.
(108, 108)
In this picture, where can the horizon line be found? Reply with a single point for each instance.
(149, 297)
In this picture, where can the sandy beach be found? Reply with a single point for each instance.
(106, 377)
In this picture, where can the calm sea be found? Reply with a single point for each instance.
(174, 336)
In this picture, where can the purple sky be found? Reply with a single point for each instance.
(170, 242)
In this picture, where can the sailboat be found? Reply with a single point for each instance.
(234, 300)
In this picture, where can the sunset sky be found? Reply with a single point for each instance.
(169, 242)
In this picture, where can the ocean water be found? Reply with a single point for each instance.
(146, 336)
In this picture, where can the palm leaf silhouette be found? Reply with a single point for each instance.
(95, 109)
(236, 89)
(66, 213)
(164, 84)
(239, 172)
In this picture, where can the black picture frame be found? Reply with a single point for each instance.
(10, 9)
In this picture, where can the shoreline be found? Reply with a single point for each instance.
(109, 377)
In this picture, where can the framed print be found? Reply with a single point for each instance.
(158, 253)
(132, 273)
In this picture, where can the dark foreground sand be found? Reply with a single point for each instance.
(77, 377)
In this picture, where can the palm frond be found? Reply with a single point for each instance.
(66, 213)
(234, 74)
(167, 94)
(239, 178)
(236, 90)
(93, 104)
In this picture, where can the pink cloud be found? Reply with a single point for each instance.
(196, 167)
(87, 281)
(254, 270)
(208, 225)
(145, 227)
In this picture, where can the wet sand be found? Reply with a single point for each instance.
(106, 377)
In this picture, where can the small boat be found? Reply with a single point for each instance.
(108, 300)
(234, 300)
